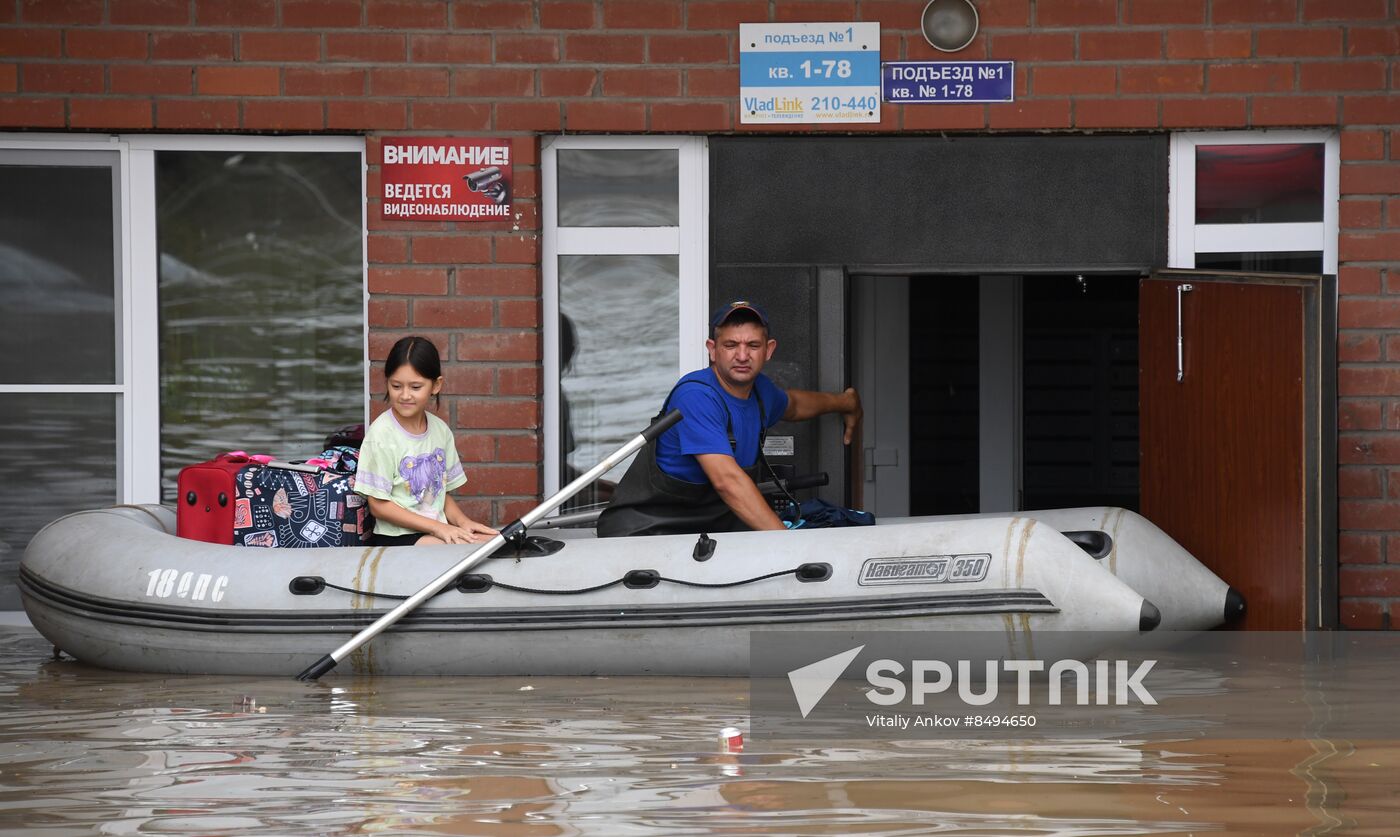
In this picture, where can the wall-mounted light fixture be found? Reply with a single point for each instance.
(949, 25)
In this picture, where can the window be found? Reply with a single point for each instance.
(1255, 201)
(624, 291)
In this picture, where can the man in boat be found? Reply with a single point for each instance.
(702, 475)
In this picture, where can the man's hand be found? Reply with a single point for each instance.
(851, 413)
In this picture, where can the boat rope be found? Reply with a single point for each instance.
(637, 579)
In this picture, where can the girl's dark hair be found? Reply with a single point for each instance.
(420, 354)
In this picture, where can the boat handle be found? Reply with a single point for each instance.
(1180, 365)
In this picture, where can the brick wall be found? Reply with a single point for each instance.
(517, 68)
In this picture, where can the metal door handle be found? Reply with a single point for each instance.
(1180, 342)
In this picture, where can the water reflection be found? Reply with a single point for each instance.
(84, 751)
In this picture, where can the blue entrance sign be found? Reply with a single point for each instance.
(914, 82)
(809, 72)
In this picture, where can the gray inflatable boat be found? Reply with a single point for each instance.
(116, 588)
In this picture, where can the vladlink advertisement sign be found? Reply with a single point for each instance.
(446, 179)
(809, 73)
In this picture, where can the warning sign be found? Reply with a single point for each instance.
(446, 179)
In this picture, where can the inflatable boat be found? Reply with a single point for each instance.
(116, 588)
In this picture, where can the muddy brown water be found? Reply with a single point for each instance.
(88, 751)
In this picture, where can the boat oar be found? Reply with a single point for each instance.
(514, 530)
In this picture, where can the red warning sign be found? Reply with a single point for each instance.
(446, 179)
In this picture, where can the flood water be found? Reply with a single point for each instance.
(87, 751)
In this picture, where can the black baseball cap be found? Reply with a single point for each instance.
(727, 310)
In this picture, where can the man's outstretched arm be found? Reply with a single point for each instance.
(804, 404)
(738, 491)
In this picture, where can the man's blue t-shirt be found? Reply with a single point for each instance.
(703, 429)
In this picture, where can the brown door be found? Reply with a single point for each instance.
(1223, 450)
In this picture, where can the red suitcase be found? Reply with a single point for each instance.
(204, 511)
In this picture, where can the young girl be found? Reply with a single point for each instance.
(408, 461)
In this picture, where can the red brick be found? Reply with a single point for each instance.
(571, 14)
(1214, 43)
(72, 12)
(1369, 247)
(1273, 77)
(31, 112)
(1034, 47)
(1358, 415)
(519, 380)
(451, 116)
(518, 313)
(419, 281)
(192, 46)
(814, 11)
(709, 82)
(63, 78)
(690, 116)
(944, 117)
(1392, 422)
(493, 14)
(1342, 75)
(197, 114)
(1369, 313)
(1147, 12)
(1217, 112)
(459, 379)
(334, 81)
(1372, 110)
(109, 114)
(279, 46)
(235, 13)
(239, 81)
(387, 249)
(321, 14)
(1373, 40)
(1363, 615)
(1392, 213)
(476, 448)
(152, 78)
(502, 480)
(1294, 110)
(31, 43)
(388, 313)
(105, 44)
(148, 12)
(365, 47)
(641, 14)
(1371, 380)
(1371, 179)
(1359, 549)
(1120, 46)
(1072, 80)
(642, 83)
(1358, 348)
(518, 448)
(513, 414)
(493, 83)
(414, 82)
(451, 313)
(498, 281)
(1392, 353)
(1161, 78)
(1359, 483)
(527, 49)
(406, 14)
(526, 182)
(605, 49)
(688, 49)
(509, 510)
(451, 249)
(1116, 113)
(725, 15)
(1358, 280)
(528, 116)
(1060, 13)
(1254, 11)
(1344, 9)
(499, 345)
(1372, 581)
(284, 116)
(568, 82)
(517, 249)
(450, 49)
(1299, 43)
(9, 78)
(1363, 145)
(1360, 214)
(605, 116)
(1036, 114)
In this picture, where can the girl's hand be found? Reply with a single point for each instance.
(472, 532)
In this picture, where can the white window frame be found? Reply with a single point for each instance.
(689, 240)
(1187, 238)
(138, 393)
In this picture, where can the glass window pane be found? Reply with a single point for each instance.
(619, 188)
(57, 275)
(261, 303)
(1258, 184)
(1296, 262)
(618, 356)
(58, 454)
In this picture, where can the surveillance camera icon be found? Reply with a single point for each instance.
(489, 182)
